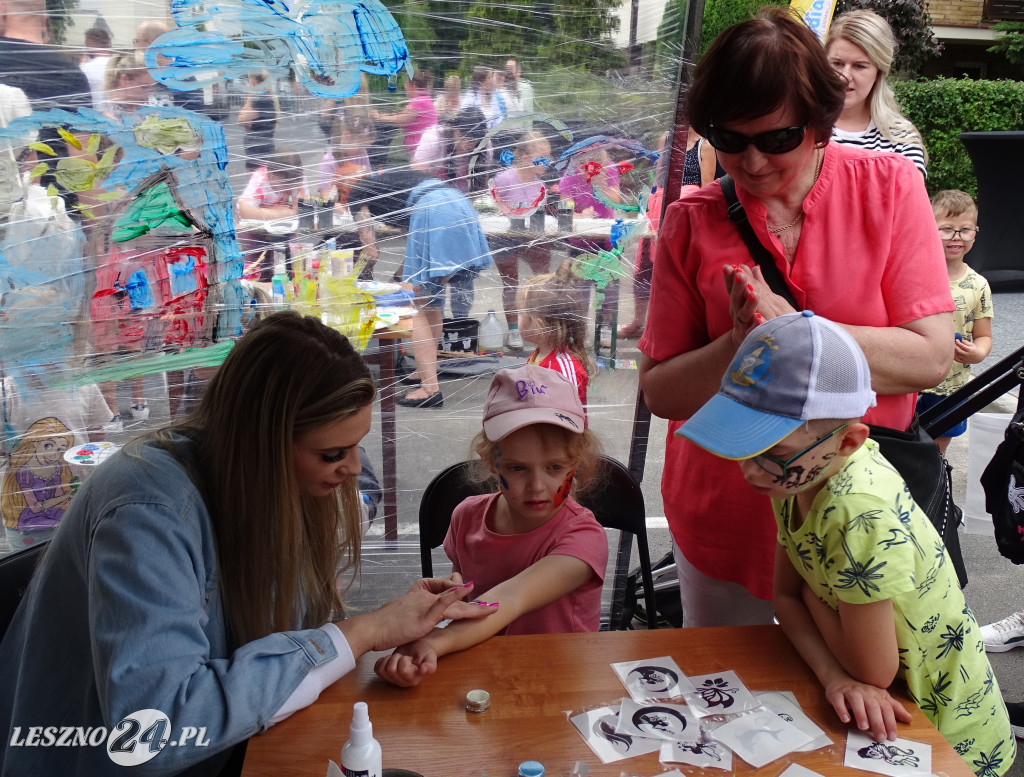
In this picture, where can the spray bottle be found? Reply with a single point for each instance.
(361, 756)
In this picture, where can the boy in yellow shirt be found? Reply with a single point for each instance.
(864, 588)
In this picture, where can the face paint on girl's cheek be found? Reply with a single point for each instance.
(495, 464)
(563, 492)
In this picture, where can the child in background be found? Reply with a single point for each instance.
(344, 162)
(552, 314)
(864, 588)
(275, 187)
(519, 190)
(530, 547)
(957, 218)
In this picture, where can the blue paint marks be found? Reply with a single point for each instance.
(41, 268)
(139, 295)
(325, 44)
(182, 276)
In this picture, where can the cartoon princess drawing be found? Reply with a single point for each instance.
(37, 486)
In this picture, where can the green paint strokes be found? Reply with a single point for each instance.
(601, 268)
(211, 356)
(167, 135)
(152, 209)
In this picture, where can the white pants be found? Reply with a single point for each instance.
(710, 602)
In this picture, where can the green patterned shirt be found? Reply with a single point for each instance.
(864, 540)
(973, 300)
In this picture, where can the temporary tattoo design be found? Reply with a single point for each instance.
(761, 737)
(717, 693)
(657, 721)
(889, 753)
(785, 705)
(652, 679)
(598, 729)
(898, 758)
(714, 694)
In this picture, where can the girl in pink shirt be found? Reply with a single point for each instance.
(530, 548)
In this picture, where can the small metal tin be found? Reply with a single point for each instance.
(478, 701)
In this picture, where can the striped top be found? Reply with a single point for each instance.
(873, 140)
(569, 367)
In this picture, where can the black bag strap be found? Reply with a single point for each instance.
(761, 255)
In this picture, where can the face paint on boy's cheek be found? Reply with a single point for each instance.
(563, 492)
(798, 477)
(502, 482)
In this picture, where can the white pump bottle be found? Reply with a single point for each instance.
(361, 755)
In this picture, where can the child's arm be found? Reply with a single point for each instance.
(545, 581)
(973, 352)
(871, 706)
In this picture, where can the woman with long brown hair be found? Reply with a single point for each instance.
(195, 574)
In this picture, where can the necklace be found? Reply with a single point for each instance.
(793, 223)
(800, 215)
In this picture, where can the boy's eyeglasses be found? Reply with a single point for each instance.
(776, 141)
(967, 234)
(778, 468)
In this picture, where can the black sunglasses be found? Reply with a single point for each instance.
(777, 141)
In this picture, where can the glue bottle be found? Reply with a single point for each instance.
(361, 756)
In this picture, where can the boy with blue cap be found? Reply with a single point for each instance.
(864, 588)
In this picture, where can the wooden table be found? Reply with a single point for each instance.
(533, 681)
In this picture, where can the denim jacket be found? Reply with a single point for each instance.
(124, 614)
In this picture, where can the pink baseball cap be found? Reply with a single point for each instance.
(531, 395)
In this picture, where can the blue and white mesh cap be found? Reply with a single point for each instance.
(794, 368)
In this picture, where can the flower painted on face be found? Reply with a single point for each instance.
(506, 157)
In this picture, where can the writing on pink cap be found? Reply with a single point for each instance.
(526, 387)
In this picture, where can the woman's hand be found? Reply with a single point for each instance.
(412, 616)
(743, 302)
(874, 709)
(408, 664)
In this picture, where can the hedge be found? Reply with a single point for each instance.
(942, 108)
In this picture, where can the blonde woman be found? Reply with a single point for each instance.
(127, 84)
(196, 571)
(860, 47)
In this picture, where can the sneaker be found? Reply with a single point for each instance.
(140, 412)
(1016, 710)
(114, 426)
(1005, 634)
(514, 340)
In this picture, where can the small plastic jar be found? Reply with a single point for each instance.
(531, 769)
(478, 701)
